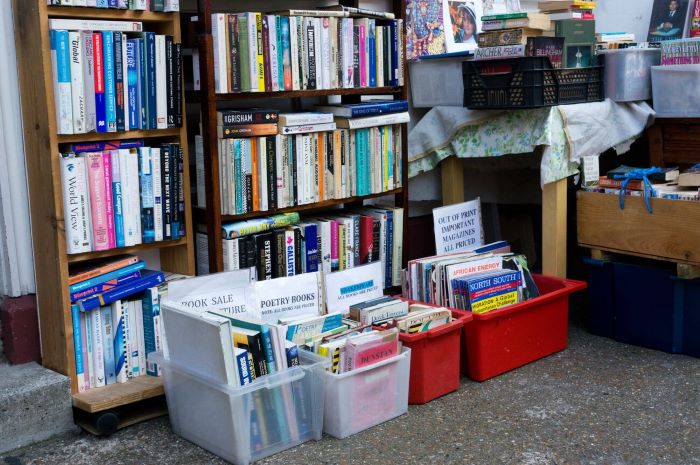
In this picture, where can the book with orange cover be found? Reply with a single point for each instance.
(91, 269)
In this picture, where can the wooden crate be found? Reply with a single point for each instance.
(670, 233)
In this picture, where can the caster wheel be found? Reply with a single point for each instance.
(106, 423)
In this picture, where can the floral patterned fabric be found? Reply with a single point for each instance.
(447, 131)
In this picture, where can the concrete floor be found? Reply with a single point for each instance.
(598, 402)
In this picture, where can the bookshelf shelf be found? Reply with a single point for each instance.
(209, 100)
(116, 395)
(42, 146)
(81, 257)
(104, 136)
(195, 96)
(108, 13)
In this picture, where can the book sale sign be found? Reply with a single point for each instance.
(458, 227)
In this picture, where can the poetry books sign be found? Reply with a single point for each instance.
(458, 227)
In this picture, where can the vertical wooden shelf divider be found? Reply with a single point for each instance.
(208, 100)
(42, 148)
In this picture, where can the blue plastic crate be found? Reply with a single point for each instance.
(601, 297)
(688, 300)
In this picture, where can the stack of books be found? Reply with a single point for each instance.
(110, 76)
(116, 320)
(568, 9)
(269, 160)
(511, 29)
(615, 40)
(119, 194)
(138, 5)
(306, 50)
(358, 346)
(670, 183)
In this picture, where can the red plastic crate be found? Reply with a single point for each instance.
(435, 359)
(505, 339)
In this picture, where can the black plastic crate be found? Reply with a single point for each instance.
(528, 82)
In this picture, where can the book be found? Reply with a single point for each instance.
(680, 52)
(422, 318)
(98, 267)
(490, 291)
(425, 29)
(370, 121)
(247, 227)
(304, 118)
(552, 47)
(690, 177)
(361, 12)
(301, 330)
(507, 37)
(104, 286)
(148, 279)
(364, 109)
(367, 349)
(247, 130)
(499, 52)
(306, 128)
(246, 117)
(95, 25)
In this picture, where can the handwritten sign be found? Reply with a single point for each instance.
(352, 286)
(458, 227)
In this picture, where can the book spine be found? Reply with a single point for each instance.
(273, 54)
(62, 81)
(132, 341)
(161, 82)
(310, 53)
(157, 193)
(286, 54)
(109, 88)
(132, 84)
(244, 52)
(150, 280)
(89, 337)
(109, 201)
(252, 51)
(150, 63)
(218, 30)
(146, 184)
(280, 52)
(259, 52)
(103, 287)
(174, 187)
(318, 53)
(117, 194)
(120, 82)
(170, 82)
(125, 179)
(119, 342)
(140, 341)
(293, 53)
(77, 84)
(266, 53)
(78, 350)
(180, 189)
(76, 205)
(98, 347)
(108, 347)
(178, 86)
(234, 53)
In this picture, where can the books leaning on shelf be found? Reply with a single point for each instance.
(120, 194)
(305, 50)
(138, 5)
(309, 161)
(110, 76)
(116, 320)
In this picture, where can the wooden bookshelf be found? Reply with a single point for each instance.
(208, 102)
(42, 146)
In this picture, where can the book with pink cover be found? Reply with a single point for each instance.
(98, 205)
(361, 351)
(109, 202)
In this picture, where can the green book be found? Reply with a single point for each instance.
(516, 15)
(244, 51)
(575, 31)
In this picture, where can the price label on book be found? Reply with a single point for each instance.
(352, 286)
(458, 227)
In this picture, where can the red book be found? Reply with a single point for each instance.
(634, 185)
(366, 239)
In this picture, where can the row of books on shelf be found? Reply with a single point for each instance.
(664, 183)
(138, 5)
(287, 245)
(110, 76)
(116, 320)
(480, 280)
(298, 50)
(122, 194)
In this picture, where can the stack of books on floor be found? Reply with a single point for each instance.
(269, 160)
(287, 245)
(110, 76)
(121, 193)
(306, 50)
(666, 183)
(138, 5)
(481, 280)
(568, 9)
(115, 308)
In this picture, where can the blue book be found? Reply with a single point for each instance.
(105, 146)
(491, 246)
(148, 231)
(99, 75)
(117, 202)
(119, 80)
(133, 72)
(148, 279)
(143, 81)
(372, 44)
(150, 305)
(77, 341)
(149, 60)
(243, 367)
(292, 352)
(110, 90)
(61, 44)
(100, 288)
(283, 50)
(239, 177)
(102, 4)
(108, 349)
(352, 110)
(309, 234)
(106, 277)
(112, 3)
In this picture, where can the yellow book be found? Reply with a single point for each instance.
(386, 146)
(260, 60)
(341, 247)
(321, 145)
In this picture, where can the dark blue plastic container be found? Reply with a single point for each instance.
(688, 299)
(601, 297)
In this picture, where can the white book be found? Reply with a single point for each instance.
(370, 121)
(349, 240)
(196, 74)
(333, 51)
(401, 51)
(161, 84)
(381, 216)
(157, 193)
(262, 174)
(302, 43)
(95, 25)
(299, 158)
(293, 47)
(274, 65)
(89, 350)
(398, 247)
(231, 254)
(98, 347)
(124, 176)
(88, 79)
(379, 42)
(308, 168)
(66, 2)
(84, 378)
(349, 53)
(135, 195)
(253, 51)
(304, 118)
(326, 52)
(120, 355)
(218, 32)
(280, 143)
(133, 343)
(202, 248)
(108, 343)
(171, 5)
(200, 171)
(318, 54)
(140, 339)
(364, 48)
(60, 63)
(77, 85)
(141, 5)
(125, 73)
(76, 203)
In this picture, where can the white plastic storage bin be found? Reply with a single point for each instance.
(676, 91)
(366, 397)
(628, 73)
(436, 82)
(245, 424)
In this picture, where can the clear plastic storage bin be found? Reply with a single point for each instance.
(436, 82)
(628, 73)
(366, 397)
(676, 91)
(245, 424)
